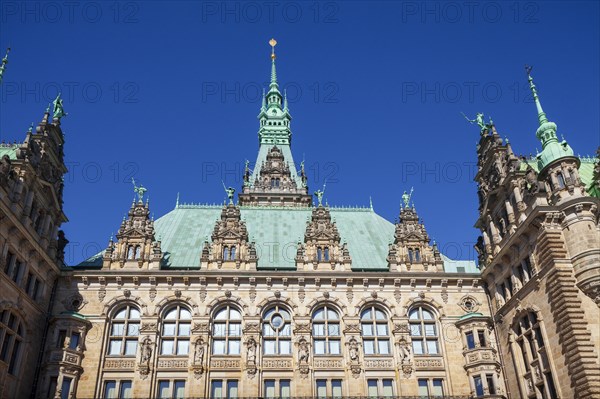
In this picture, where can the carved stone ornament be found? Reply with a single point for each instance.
(469, 304)
(74, 302)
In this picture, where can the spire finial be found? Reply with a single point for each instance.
(177, 201)
(30, 128)
(273, 43)
(285, 102)
(3, 64)
(541, 114)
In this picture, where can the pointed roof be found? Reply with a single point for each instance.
(546, 133)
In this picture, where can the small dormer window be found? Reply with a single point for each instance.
(232, 253)
(417, 255)
(326, 254)
(138, 252)
(410, 255)
(319, 254)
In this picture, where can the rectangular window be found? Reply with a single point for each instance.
(490, 382)
(319, 347)
(14, 358)
(17, 271)
(438, 388)
(388, 389)
(284, 389)
(65, 389)
(336, 389)
(432, 347)
(167, 347)
(36, 289)
(481, 335)
(372, 388)
(418, 348)
(269, 389)
(183, 347)
(369, 346)
(334, 347)
(125, 390)
(114, 347)
(110, 389)
(216, 389)
(423, 388)
(478, 386)
(232, 389)
(52, 387)
(131, 347)
(10, 258)
(470, 340)
(234, 347)
(322, 389)
(384, 347)
(62, 336)
(285, 347)
(74, 342)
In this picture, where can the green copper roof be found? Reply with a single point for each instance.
(276, 232)
(586, 173)
(9, 149)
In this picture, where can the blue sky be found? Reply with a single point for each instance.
(168, 93)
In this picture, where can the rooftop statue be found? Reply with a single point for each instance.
(479, 120)
(319, 194)
(229, 191)
(139, 190)
(59, 110)
(406, 197)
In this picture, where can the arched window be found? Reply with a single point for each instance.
(326, 254)
(176, 328)
(277, 331)
(138, 251)
(232, 252)
(530, 343)
(130, 252)
(226, 331)
(375, 331)
(225, 253)
(11, 340)
(423, 332)
(124, 331)
(326, 331)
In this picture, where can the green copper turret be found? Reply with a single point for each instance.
(546, 133)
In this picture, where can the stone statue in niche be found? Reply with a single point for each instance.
(146, 350)
(353, 349)
(198, 351)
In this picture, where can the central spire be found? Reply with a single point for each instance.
(546, 132)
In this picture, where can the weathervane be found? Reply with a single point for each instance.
(139, 190)
(273, 43)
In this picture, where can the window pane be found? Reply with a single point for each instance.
(185, 314)
(319, 314)
(322, 388)
(432, 347)
(417, 347)
(384, 347)
(430, 330)
(234, 347)
(427, 315)
(163, 389)
(336, 389)
(232, 389)
(234, 314)
(372, 388)
(415, 330)
(332, 314)
(134, 314)
(118, 329)
(319, 330)
(184, 329)
(334, 347)
(388, 389)
(114, 347)
(169, 330)
(284, 388)
(319, 347)
(414, 314)
(179, 389)
(334, 329)
(222, 315)
(216, 389)
(286, 331)
(369, 347)
(66, 388)
(167, 347)
(219, 330)
(366, 314)
(470, 340)
(285, 347)
(478, 386)
(126, 391)
(133, 329)
(268, 331)
(171, 315)
(219, 346)
(438, 388)
(235, 330)
(367, 330)
(379, 315)
(270, 388)
(110, 389)
(131, 347)
(183, 347)
(381, 329)
(121, 314)
(269, 347)
(423, 390)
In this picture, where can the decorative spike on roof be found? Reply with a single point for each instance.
(546, 132)
(3, 64)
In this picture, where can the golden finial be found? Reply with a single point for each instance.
(273, 43)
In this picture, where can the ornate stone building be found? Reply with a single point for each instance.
(277, 296)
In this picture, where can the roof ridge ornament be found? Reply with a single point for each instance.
(139, 190)
(319, 194)
(407, 197)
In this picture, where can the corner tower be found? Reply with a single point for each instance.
(275, 179)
